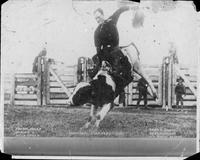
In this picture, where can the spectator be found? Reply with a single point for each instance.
(43, 53)
(179, 91)
(142, 88)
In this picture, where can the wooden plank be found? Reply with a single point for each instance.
(25, 96)
(26, 103)
(186, 103)
(27, 83)
(136, 97)
(58, 101)
(65, 72)
(150, 66)
(192, 78)
(153, 80)
(189, 103)
(58, 96)
(61, 66)
(25, 75)
(194, 84)
(57, 90)
(60, 90)
(63, 78)
(189, 97)
(7, 102)
(155, 86)
(153, 103)
(56, 84)
(151, 72)
(188, 73)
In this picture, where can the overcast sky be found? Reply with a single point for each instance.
(68, 28)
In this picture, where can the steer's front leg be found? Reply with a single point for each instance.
(100, 116)
(91, 117)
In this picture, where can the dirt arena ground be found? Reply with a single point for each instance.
(59, 121)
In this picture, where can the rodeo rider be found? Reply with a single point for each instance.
(106, 40)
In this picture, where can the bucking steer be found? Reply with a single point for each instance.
(103, 89)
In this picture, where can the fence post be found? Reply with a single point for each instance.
(12, 96)
(160, 85)
(170, 83)
(173, 82)
(43, 82)
(47, 81)
(163, 84)
(39, 80)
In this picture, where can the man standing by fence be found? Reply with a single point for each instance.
(142, 88)
(43, 53)
(179, 91)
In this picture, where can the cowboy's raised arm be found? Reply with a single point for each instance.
(114, 18)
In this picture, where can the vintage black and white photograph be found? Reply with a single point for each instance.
(104, 78)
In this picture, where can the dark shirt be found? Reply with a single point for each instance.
(180, 89)
(107, 33)
(35, 62)
(142, 85)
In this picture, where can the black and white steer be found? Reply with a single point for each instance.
(100, 92)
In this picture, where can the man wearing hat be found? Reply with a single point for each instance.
(179, 91)
(142, 88)
(106, 40)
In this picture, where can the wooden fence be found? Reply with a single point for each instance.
(55, 81)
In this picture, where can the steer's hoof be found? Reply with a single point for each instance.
(68, 103)
(94, 128)
(86, 126)
(83, 129)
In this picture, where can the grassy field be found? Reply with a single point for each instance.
(120, 122)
